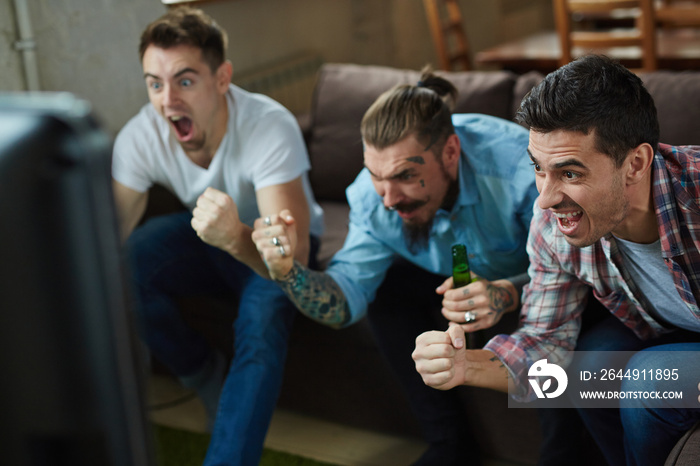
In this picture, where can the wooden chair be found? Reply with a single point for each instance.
(445, 21)
(642, 35)
(677, 13)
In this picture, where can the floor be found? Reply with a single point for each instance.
(173, 406)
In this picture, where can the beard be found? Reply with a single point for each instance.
(417, 235)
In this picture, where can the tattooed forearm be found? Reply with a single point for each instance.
(316, 295)
(500, 364)
(501, 299)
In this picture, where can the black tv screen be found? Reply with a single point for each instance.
(70, 387)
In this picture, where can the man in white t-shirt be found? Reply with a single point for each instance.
(230, 156)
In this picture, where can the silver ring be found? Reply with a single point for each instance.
(283, 253)
(276, 241)
(267, 221)
(469, 316)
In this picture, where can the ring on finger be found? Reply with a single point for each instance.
(283, 253)
(267, 221)
(469, 316)
(276, 241)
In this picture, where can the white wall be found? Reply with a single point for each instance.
(261, 31)
(11, 76)
(89, 47)
(386, 32)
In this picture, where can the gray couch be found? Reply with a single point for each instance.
(339, 375)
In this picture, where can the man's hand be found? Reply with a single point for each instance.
(444, 363)
(275, 237)
(440, 358)
(215, 219)
(486, 301)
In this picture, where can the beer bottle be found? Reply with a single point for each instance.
(461, 274)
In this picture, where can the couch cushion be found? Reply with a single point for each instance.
(687, 450)
(343, 94)
(676, 95)
(523, 85)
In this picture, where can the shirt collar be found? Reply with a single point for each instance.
(665, 205)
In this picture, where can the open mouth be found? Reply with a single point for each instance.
(569, 221)
(405, 214)
(183, 126)
(407, 208)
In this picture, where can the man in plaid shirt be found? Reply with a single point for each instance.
(619, 216)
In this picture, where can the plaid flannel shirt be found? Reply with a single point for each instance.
(561, 274)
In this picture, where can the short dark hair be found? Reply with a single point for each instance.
(187, 26)
(423, 109)
(594, 93)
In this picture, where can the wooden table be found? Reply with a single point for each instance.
(679, 49)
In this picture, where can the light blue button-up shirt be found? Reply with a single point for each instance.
(491, 216)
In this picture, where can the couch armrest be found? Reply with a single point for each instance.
(687, 450)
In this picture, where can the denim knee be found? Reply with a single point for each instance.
(640, 363)
(662, 371)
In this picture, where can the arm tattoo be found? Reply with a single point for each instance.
(494, 359)
(316, 295)
(500, 299)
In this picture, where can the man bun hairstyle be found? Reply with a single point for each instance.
(423, 109)
(594, 93)
(187, 26)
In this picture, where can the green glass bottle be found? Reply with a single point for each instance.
(461, 275)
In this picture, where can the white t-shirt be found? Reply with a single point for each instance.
(263, 146)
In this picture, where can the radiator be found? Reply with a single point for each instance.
(290, 81)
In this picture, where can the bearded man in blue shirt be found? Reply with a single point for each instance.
(431, 179)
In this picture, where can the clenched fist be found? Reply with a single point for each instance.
(275, 237)
(215, 219)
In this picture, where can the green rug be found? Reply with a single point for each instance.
(176, 447)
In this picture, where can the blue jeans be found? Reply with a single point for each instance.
(638, 434)
(652, 429)
(170, 261)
